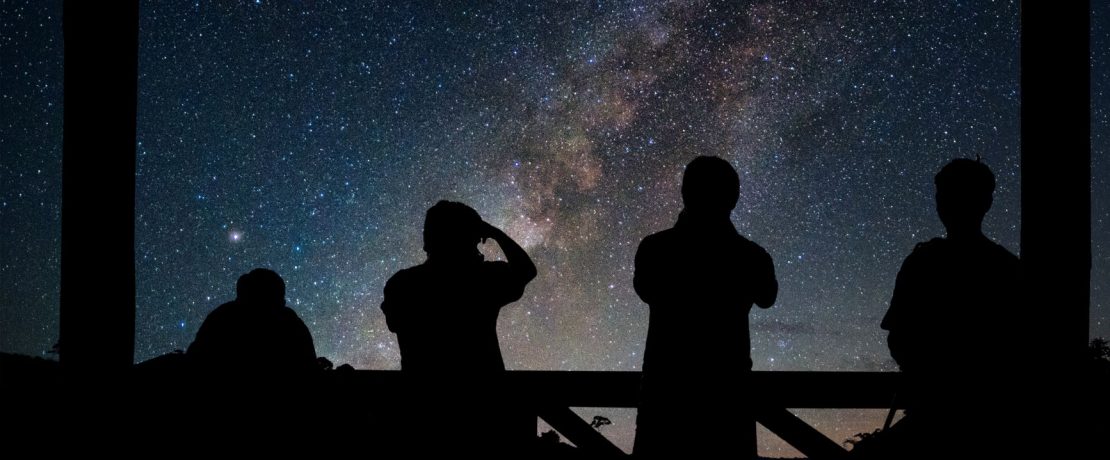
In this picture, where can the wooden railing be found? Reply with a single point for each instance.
(779, 391)
(382, 395)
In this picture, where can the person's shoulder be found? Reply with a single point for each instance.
(225, 309)
(405, 276)
(287, 313)
(657, 245)
(935, 244)
(664, 237)
(751, 246)
(926, 254)
(929, 248)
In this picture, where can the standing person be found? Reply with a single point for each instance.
(956, 324)
(444, 312)
(700, 279)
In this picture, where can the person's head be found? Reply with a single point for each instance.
(964, 193)
(710, 186)
(261, 287)
(452, 230)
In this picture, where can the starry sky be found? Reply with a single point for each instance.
(310, 137)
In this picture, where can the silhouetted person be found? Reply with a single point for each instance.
(254, 334)
(957, 326)
(256, 369)
(700, 280)
(444, 312)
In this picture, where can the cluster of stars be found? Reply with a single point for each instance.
(310, 139)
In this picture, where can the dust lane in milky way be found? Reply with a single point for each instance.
(311, 140)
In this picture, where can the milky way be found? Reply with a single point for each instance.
(311, 137)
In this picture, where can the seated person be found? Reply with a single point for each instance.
(255, 333)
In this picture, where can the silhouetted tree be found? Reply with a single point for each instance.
(1099, 350)
(549, 445)
(599, 422)
(862, 438)
(1098, 404)
(1098, 370)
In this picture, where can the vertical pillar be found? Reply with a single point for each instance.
(1056, 208)
(98, 185)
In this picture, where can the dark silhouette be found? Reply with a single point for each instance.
(957, 325)
(700, 280)
(256, 333)
(253, 364)
(600, 421)
(549, 446)
(444, 312)
(1097, 398)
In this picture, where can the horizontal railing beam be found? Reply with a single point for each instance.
(795, 390)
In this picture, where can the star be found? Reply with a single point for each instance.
(566, 126)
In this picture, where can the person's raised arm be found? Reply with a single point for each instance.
(520, 263)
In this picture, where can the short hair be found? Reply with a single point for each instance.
(450, 223)
(968, 183)
(967, 176)
(261, 284)
(710, 183)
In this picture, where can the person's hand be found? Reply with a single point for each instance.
(485, 230)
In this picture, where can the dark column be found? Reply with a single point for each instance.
(1056, 206)
(98, 185)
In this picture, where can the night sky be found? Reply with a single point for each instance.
(311, 137)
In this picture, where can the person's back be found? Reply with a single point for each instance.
(444, 312)
(445, 316)
(952, 307)
(245, 338)
(700, 279)
(254, 334)
(958, 327)
(255, 367)
(700, 285)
